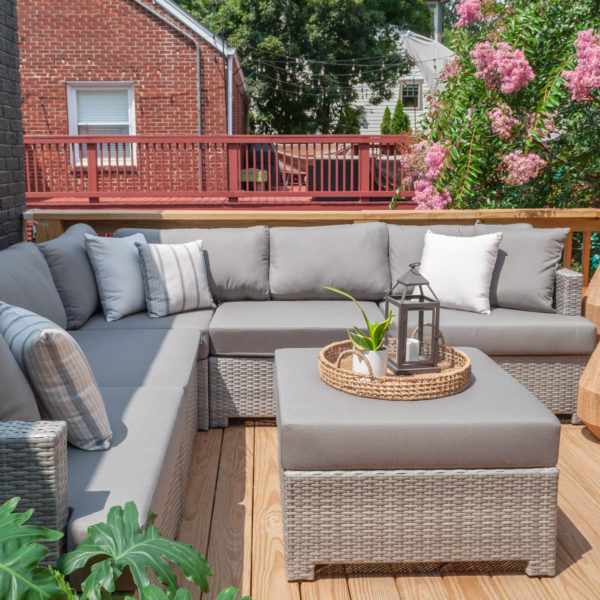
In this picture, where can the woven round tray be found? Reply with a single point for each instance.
(335, 369)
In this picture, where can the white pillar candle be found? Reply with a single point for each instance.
(412, 350)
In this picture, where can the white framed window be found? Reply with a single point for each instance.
(102, 108)
(412, 94)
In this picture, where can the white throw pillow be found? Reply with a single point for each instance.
(459, 270)
(118, 274)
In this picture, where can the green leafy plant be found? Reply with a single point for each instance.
(120, 545)
(400, 122)
(373, 340)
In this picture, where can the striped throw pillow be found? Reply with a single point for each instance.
(175, 278)
(59, 375)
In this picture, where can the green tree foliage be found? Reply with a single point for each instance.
(386, 121)
(297, 54)
(351, 119)
(545, 122)
(400, 120)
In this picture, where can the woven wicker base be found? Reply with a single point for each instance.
(551, 379)
(203, 411)
(244, 387)
(505, 516)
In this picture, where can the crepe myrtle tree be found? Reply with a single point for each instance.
(514, 122)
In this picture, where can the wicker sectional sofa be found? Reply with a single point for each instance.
(164, 378)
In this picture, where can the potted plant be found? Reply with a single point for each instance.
(369, 343)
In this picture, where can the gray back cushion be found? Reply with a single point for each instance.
(353, 258)
(26, 281)
(73, 274)
(17, 402)
(524, 274)
(237, 259)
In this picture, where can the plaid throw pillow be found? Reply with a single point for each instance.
(59, 374)
(175, 278)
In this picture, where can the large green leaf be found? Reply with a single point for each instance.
(20, 575)
(124, 545)
(230, 593)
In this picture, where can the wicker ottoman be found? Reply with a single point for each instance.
(467, 478)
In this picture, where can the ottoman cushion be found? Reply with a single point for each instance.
(494, 424)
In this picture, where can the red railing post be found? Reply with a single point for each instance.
(233, 171)
(92, 171)
(363, 171)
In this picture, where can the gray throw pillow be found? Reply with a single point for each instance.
(25, 280)
(73, 274)
(60, 375)
(524, 275)
(174, 278)
(118, 274)
(17, 402)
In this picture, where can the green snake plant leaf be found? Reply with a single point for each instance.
(379, 330)
(362, 310)
(20, 575)
(124, 545)
(360, 341)
(230, 593)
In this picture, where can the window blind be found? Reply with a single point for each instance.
(102, 107)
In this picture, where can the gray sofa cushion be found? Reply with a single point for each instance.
(259, 328)
(17, 402)
(73, 274)
(524, 275)
(353, 258)
(494, 424)
(147, 426)
(516, 332)
(237, 259)
(197, 320)
(144, 357)
(26, 281)
(483, 228)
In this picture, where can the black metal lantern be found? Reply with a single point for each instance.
(414, 354)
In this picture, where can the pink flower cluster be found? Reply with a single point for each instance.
(586, 75)
(502, 66)
(428, 197)
(502, 120)
(469, 12)
(451, 69)
(522, 167)
(423, 164)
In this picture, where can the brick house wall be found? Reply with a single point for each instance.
(119, 40)
(12, 177)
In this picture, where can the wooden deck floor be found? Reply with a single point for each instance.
(233, 517)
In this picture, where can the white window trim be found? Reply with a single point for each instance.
(418, 82)
(73, 87)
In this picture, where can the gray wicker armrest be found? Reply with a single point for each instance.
(568, 291)
(33, 466)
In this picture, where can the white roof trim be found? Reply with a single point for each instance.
(217, 42)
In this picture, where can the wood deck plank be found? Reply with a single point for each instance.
(268, 564)
(373, 587)
(422, 587)
(200, 495)
(519, 585)
(467, 586)
(325, 587)
(230, 542)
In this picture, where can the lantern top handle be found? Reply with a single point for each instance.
(412, 277)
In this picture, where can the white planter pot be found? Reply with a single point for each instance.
(377, 360)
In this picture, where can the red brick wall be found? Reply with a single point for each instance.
(117, 40)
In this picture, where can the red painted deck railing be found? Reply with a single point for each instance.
(313, 167)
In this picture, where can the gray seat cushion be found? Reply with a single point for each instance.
(353, 258)
(494, 424)
(26, 281)
(507, 332)
(147, 425)
(73, 274)
(143, 357)
(237, 259)
(197, 320)
(17, 401)
(259, 328)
